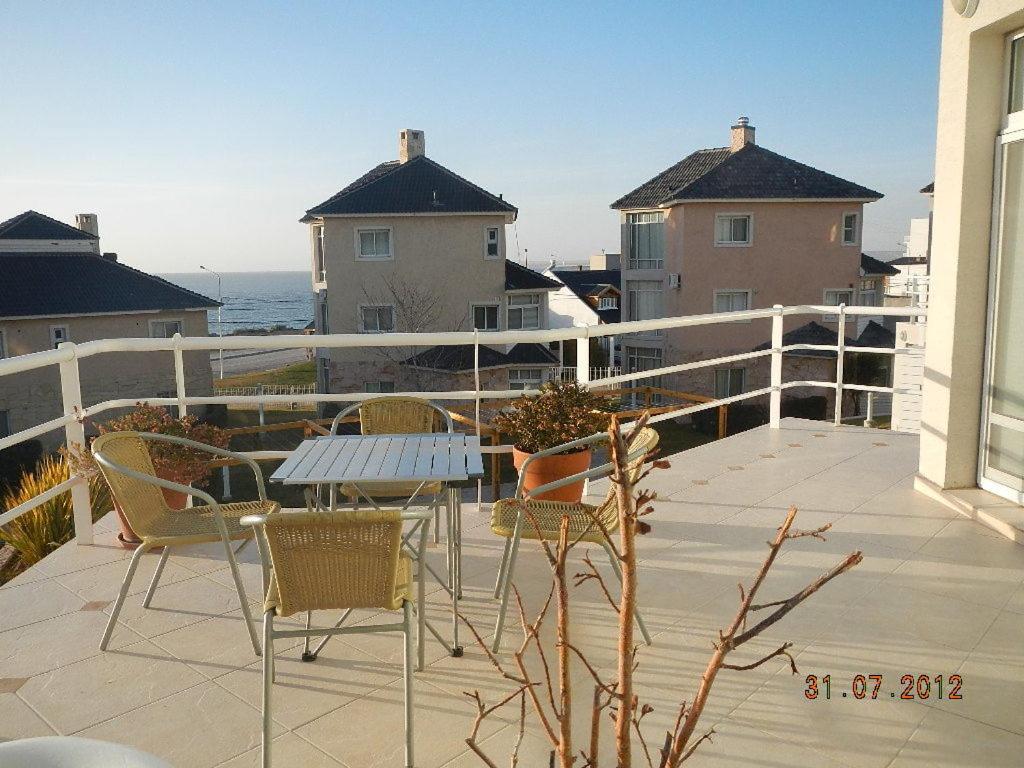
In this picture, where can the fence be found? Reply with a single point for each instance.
(259, 390)
(68, 354)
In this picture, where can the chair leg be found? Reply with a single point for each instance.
(268, 682)
(437, 519)
(502, 567)
(506, 587)
(142, 549)
(421, 616)
(246, 611)
(306, 655)
(407, 674)
(450, 538)
(636, 609)
(156, 577)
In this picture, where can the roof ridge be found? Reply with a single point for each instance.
(464, 180)
(355, 186)
(156, 278)
(675, 166)
(17, 219)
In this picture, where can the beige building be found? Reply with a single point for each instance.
(972, 417)
(57, 286)
(412, 247)
(734, 228)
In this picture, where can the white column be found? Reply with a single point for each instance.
(179, 376)
(840, 350)
(775, 399)
(583, 360)
(74, 435)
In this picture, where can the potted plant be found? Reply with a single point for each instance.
(561, 413)
(177, 463)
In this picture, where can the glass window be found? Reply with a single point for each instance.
(524, 311)
(644, 359)
(525, 378)
(608, 302)
(325, 326)
(1016, 98)
(646, 300)
(730, 381)
(850, 228)
(485, 317)
(375, 244)
(646, 232)
(732, 230)
(377, 319)
(491, 244)
(319, 273)
(58, 335)
(732, 301)
(834, 299)
(379, 386)
(164, 329)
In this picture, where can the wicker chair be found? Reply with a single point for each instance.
(124, 460)
(397, 416)
(509, 519)
(339, 560)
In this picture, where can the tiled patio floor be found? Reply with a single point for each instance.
(936, 594)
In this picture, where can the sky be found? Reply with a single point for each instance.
(200, 133)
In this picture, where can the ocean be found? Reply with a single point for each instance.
(254, 299)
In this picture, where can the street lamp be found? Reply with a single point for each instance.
(220, 318)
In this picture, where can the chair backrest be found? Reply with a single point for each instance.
(639, 448)
(335, 560)
(398, 416)
(141, 503)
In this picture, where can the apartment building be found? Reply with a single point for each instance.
(732, 228)
(410, 246)
(56, 286)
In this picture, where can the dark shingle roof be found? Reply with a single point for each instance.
(417, 186)
(520, 278)
(750, 173)
(811, 333)
(928, 189)
(873, 266)
(52, 284)
(876, 335)
(31, 225)
(588, 282)
(904, 260)
(460, 357)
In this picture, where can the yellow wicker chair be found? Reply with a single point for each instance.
(124, 460)
(339, 560)
(509, 518)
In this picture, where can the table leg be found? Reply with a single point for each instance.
(456, 503)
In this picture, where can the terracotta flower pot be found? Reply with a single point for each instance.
(548, 469)
(127, 537)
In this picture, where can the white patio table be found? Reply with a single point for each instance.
(369, 460)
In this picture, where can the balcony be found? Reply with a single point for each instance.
(936, 594)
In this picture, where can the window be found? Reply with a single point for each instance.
(645, 300)
(646, 233)
(58, 335)
(491, 243)
(851, 229)
(377, 319)
(608, 302)
(730, 381)
(834, 299)
(5, 423)
(384, 387)
(319, 272)
(525, 378)
(524, 311)
(485, 317)
(733, 229)
(644, 359)
(732, 301)
(325, 326)
(164, 329)
(325, 373)
(1016, 97)
(374, 244)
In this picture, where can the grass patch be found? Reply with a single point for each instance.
(299, 373)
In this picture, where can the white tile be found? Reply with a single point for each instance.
(946, 740)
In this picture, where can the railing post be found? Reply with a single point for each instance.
(840, 354)
(723, 421)
(775, 398)
(74, 435)
(259, 405)
(225, 474)
(583, 360)
(179, 376)
(869, 420)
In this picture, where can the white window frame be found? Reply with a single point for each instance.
(381, 387)
(824, 300)
(634, 262)
(319, 257)
(63, 330)
(608, 302)
(510, 308)
(730, 371)
(154, 323)
(3, 344)
(486, 305)
(633, 293)
(735, 243)
(361, 318)
(749, 293)
(496, 243)
(1012, 121)
(856, 228)
(391, 244)
(523, 378)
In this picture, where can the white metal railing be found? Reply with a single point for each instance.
(67, 356)
(258, 390)
(569, 373)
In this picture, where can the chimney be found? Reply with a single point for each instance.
(110, 256)
(411, 144)
(87, 223)
(742, 134)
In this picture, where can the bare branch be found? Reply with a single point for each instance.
(783, 650)
(593, 574)
(706, 737)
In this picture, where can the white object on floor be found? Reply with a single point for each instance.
(73, 752)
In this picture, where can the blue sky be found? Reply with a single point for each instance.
(200, 133)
